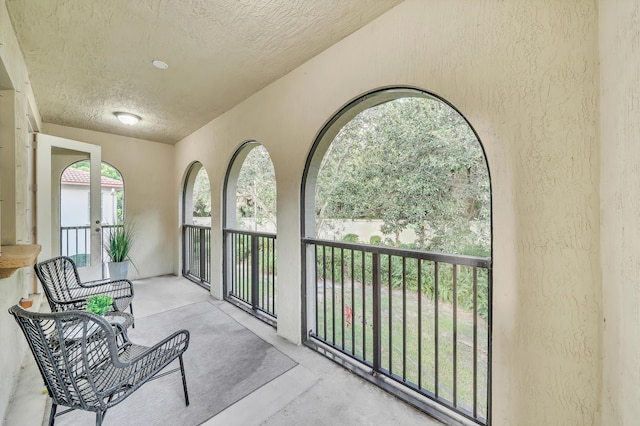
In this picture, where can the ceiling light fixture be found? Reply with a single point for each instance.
(160, 64)
(127, 118)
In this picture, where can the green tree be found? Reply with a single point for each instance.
(415, 164)
(201, 195)
(256, 188)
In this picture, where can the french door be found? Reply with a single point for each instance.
(53, 154)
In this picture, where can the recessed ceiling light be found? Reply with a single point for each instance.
(127, 118)
(160, 64)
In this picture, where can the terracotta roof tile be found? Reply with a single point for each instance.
(72, 176)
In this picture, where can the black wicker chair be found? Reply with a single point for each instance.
(89, 364)
(61, 283)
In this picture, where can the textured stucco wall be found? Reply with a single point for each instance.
(147, 169)
(12, 343)
(525, 75)
(620, 209)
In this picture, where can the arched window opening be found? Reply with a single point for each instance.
(250, 232)
(196, 228)
(398, 247)
(256, 192)
(75, 226)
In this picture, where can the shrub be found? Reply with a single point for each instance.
(375, 240)
(351, 238)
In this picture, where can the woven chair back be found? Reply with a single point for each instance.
(60, 281)
(69, 348)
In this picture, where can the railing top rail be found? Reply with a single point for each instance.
(188, 225)
(481, 262)
(89, 226)
(244, 232)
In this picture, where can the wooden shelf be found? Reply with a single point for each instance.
(16, 257)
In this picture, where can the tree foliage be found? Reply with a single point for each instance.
(201, 195)
(256, 189)
(415, 164)
(107, 170)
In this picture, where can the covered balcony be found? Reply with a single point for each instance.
(547, 93)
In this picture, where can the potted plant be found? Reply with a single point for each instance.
(117, 246)
(99, 304)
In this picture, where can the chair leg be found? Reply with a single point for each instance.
(52, 415)
(184, 381)
(100, 417)
(134, 318)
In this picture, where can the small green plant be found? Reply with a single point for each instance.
(99, 304)
(119, 242)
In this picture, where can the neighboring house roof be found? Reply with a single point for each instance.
(72, 176)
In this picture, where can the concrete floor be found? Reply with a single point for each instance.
(315, 392)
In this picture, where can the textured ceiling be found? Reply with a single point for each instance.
(89, 58)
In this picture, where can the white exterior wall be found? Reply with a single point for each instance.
(525, 74)
(620, 210)
(336, 229)
(74, 206)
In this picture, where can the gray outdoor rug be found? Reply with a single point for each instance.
(224, 363)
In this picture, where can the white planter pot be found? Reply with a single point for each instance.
(118, 270)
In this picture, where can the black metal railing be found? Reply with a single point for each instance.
(418, 319)
(196, 249)
(250, 271)
(75, 242)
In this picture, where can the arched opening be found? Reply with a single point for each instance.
(397, 258)
(196, 227)
(250, 232)
(75, 226)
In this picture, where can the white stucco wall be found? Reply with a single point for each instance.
(620, 210)
(74, 206)
(12, 343)
(524, 73)
(148, 170)
(336, 229)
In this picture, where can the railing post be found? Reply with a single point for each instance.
(377, 337)
(184, 249)
(254, 272)
(202, 246)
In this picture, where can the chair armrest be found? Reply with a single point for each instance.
(99, 283)
(94, 282)
(132, 365)
(167, 349)
(116, 289)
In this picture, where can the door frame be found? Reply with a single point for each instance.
(44, 190)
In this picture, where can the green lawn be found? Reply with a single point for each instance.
(403, 356)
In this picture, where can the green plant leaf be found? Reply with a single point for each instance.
(119, 242)
(99, 304)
